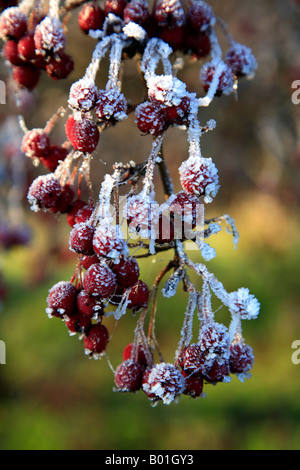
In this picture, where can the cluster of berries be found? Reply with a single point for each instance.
(33, 44)
(106, 280)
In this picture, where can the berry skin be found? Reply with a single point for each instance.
(138, 296)
(10, 52)
(61, 299)
(169, 13)
(163, 382)
(77, 323)
(91, 16)
(136, 11)
(115, 6)
(83, 95)
(111, 105)
(198, 44)
(226, 80)
(26, 76)
(53, 156)
(83, 134)
(218, 371)
(49, 36)
(99, 280)
(87, 261)
(128, 353)
(81, 239)
(35, 143)
(44, 192)
(192, 359)
(74, 210)
(13, 23)
(214, 340)
(199, 176)
(59, 66)
(127, 272)
(241, 60)
(64, 202)
(26, 47)
(177, 114)
(96, 339)
(200, 16)
(150, 118)
(88, 305)
(193, 385)
(241, 358)
(129, 375)
(108, 242)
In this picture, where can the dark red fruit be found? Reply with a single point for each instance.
(61, 299)
(150, 118)
(36, 143)
(193, 385)
(88, 305)
(135, 353)
(127, 272)
(91, 16)
(10, 52)
(200, 16)
(44, 192)
(198, 44)
(77, 323)
(60, 66)
(87, 261)
(99, 280)
(96, 339)
(136, 11)
(81, 239)
(64, 202)
(129, 375)
(138, 296)
(83, 134)
(73, 211)
(26, 76)
(26, 47)
(115, 6)
(13, 23)
(54, 155)
(241, 358)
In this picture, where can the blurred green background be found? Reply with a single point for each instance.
(51, 395)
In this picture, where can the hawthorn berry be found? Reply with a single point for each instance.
(108, 241)
(83, 94)
(77, 323)
(241, 358)
(59, 66)
(89, 305)
(64, 201)
(81, 238)
(111, 105)
(26, 75)
(193, 385)
(90, 17)
(74, 210)
(44, 192)
(127, 272)
(26, 47)
(241, 60)
(150, 118)
(163, 382)
(136, 11)
(129, 376)
(53, 156)
(129, 353)
(200, 16)
(115, 6)
(36, 143)
(49, 37)
(96, 339)
(82, 133)
(225, 85)
(138, 296)
(10, 52)
(99, 280)
(61, 299)
(13, 23)
(199, 176)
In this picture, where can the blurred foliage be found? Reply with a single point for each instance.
(51, 395)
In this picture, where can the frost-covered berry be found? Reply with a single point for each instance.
(192, 359)
(244, 304)
(61, 299)
(225, 84)
(142, 214)
(178, 114)
(174, 36)
(115, 6)
(81, 238)
(198, 44)
(10, 52)
(129, 375)
(73, 211)
(199, 176)
(87, 261)
(96, 339)
(99, 280)
(241, 358)
(49, 37)
(186, 211)
(241, 60)
(26, 47)
(35, 143)
(111, 105)
(82, 133)
(163, 382)
(44, 192)
(26, 75)
(214, 339)
(13, 23)
(59, 66)
(217, 371)
(135, 353)
(200, 16)
(169, 13)
(88, 305)
(91, 16)
(150, 118)
(166, 90)
(83, 94)
(64, 202)
(138, 296)
(127, 272)
(136, 11)
(84, 213)
(193, 385)
(108, 241)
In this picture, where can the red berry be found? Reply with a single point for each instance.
(241, 358)
(87, 261)
(64, 202)
(198, 44)
(177, 114)
(115, 6)
(174, 36)
(82, 133)
(136, 11)
(77, 323)
(99, 280)
(127, 272)
(200, 16)
(59, 66)
(150, 118)
(241, 60)
(36, 143)
(49, 37)
(91, 16)
(129, 353)
(217, 372)
(26, 47)
(111, 105)
(61, 299)
(192, 359)
(225, 84)
(163, 382)
(96, 339)
(89, 305)
(10, 52)
(81, 239)
(53, 157)
(13, 23)
(169, 13)
(138, 296)
(199, 176)
(84, 213)
(44, 192)
(73, 211)
(129, 375)
(214, 339)
(108, 241)
(83, 95)
(26, 76)
(186, 212)
(193, 385)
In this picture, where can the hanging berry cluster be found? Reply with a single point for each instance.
(107, 235)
